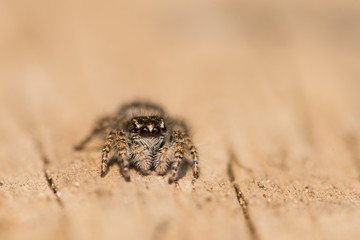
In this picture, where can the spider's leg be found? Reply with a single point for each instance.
(122, 153)
(179, 155)
(162, 162)
(194, 155)
(105, 152)
(100, 126)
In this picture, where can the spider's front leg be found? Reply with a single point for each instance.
(178, 156)
(121, 153)
(105, 153)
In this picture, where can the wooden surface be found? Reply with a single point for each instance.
(270, 89)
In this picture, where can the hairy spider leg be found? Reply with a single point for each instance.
(101, 125)
(122, 153)
(194, 154)
(105, 152)
(178, 156)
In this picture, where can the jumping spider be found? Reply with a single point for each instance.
(142, 135)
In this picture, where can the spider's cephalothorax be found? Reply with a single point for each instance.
(142, 135)
(147, 126)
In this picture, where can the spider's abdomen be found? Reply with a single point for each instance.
(138, 109)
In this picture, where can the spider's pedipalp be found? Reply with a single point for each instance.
(161, 162)
(141, 159)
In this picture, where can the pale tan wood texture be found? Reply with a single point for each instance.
(270, 89)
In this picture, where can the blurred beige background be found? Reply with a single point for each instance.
(277, 81)
(116, 50)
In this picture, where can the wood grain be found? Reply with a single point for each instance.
(270, 90)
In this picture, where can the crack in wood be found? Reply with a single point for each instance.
(48, 175)
(240, 196)
(53, 186)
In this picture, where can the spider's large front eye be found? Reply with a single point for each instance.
(155, 130)
(144, 131)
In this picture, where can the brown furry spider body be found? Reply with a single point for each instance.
(142, 135)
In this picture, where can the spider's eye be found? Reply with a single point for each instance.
(155, 130)
(163, 128)
(144, 131)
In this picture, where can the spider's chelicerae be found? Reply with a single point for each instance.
(142, 135)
